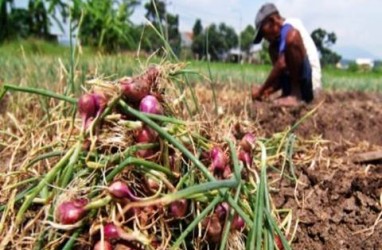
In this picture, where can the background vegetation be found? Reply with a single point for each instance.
(37, 63)
(109, 41)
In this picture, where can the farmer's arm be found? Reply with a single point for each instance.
(294, 58)
(290, 56)
(271, 84)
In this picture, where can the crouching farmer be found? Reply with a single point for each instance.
(296, 67)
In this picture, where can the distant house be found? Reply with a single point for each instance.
(253, 56)
(234, 55)
(365, 63)
(186, 39)
(240, 56)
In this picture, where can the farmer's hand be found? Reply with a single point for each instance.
(256, 93)
(268, 92)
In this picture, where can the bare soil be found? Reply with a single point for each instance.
(340, 201)
(337, 208)
(337, 201)
(342, 116)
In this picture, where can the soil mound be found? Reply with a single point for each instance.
(349, 116)
(336, 201)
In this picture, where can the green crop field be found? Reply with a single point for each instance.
(36, 63)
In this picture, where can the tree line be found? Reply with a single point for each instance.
(108, 26)
(104, 24)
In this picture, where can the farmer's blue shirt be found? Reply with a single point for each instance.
(284, 32)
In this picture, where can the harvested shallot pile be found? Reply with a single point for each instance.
(129, 165)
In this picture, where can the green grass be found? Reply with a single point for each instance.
(32, 46)
(37, 63)
(40, 64)
(233, 73)
(332, 79)
(335, 79)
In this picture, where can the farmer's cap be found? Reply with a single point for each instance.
(265, 11)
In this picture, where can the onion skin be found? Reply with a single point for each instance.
(248, 142)
(150, 104)
(87, 105)
(119, 189)
(227, 172)
(245, 157)
(221, 210)
(178, 209)
(70, 212)
(101, 102)
(87, 108)
(80, 202)
(214, 229)
(237, 223)
(135, 89)
(151, 74)
(145, 135)
(105, 245)
(90, 106)
(215, 151)
(218, 159)
(110, 231)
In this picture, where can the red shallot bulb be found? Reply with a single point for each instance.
(70, 212)
(110, 231)
(222, 210)
(145, 135)
(245, 157)
(237, 223)
(120, 190)
(218, 159)
(179, 208)
(135, 89)
(248, 142)
(87, 108)
(214, 229)
(150, 104)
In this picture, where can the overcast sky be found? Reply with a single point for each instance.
(356, 22)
